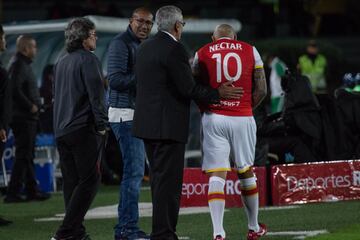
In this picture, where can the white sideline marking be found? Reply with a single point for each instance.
(145, 210)
(279, 208)
(298, 234)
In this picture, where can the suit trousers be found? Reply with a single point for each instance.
(23, 169)
(80, 153)
(166, 158)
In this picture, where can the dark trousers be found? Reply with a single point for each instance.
(166, 160)
(80, 154)
(23, 169)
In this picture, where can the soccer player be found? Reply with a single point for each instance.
(228, 128)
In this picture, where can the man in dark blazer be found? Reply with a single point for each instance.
(25, 116)
(164, 91)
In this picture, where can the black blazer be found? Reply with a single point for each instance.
(165, 87)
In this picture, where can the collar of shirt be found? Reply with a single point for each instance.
(170, 35)
(132, 34)
(225, 38)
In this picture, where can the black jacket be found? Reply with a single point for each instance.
(78, 93)
(121, 73)
(25, 91)
(5, 99)
(165, 87)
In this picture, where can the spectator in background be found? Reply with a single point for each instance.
(46, 94)
(5, 106)
(313, 65)
(231, 124)
(122, 82)
(277, 67)
(80, 121)
(165, 87)
(25, 116)
(348, 103)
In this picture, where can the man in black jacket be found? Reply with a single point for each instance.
(26, 104)
(80, 121)
(5, 101)
(164, 91)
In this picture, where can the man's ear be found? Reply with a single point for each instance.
(176, 27)
(235, 37)
(213, 38)
(26, 49)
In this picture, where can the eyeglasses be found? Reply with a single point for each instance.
(182, 23)
(93, 34)
(142, 21)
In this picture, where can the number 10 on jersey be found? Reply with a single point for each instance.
(222, 66)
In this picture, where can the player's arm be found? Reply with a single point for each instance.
(260, 89)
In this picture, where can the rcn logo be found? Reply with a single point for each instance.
(191, 189)
(309, 183)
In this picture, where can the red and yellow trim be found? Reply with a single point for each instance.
(218, 170)
(248, 191)
(243, 170)
(216, 196)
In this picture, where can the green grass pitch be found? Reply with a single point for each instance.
(340, 219)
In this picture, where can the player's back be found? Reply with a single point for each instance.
(228, 60)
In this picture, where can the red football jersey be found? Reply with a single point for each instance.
(227, 60)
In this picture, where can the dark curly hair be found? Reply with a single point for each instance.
(76, 32)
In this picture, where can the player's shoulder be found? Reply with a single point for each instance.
(205, 48)
(244, 44)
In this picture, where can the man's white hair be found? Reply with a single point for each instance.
(167, 16)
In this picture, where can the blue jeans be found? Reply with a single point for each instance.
(133, 156)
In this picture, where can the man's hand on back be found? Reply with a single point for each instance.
(228, 91)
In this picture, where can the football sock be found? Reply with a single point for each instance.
(250, 198)
(216, 199)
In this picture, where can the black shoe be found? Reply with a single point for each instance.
(38, 196)
(140, 235)
(4, 222)
(14, 199)
(85, 237)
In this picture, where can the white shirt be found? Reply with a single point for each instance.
(172, 36)
(117, 115)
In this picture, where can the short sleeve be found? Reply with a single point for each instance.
(258, 62)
